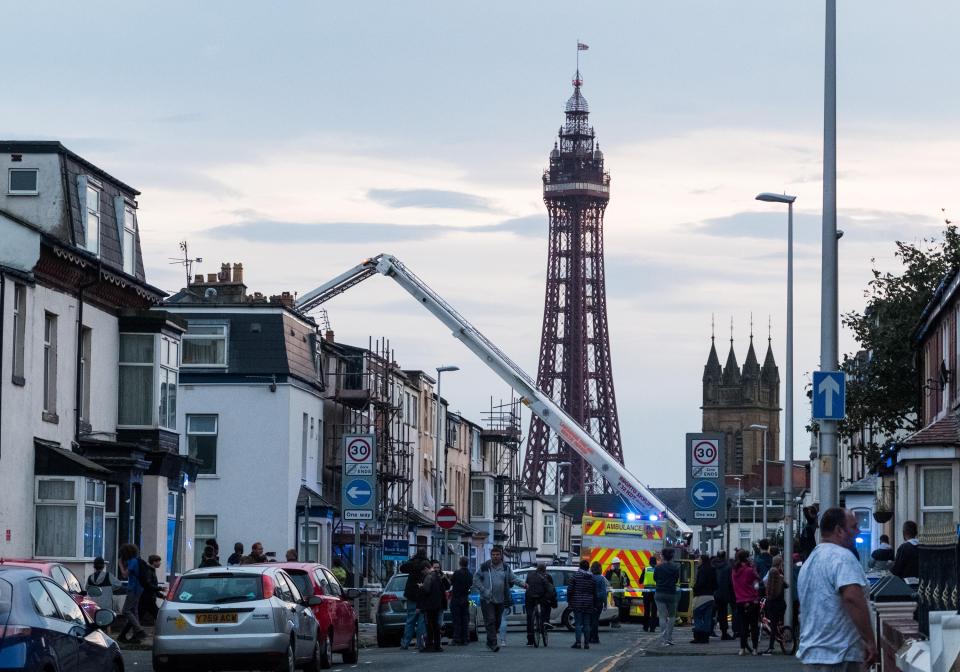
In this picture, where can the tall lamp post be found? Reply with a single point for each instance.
(788, 419)
(765, 429)
(560, 465)
(738, 479)
(436, 452)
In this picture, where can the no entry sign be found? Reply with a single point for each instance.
(446, 517)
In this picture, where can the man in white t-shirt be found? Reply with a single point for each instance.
(835, 629)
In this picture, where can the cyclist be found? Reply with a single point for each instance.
(541, 594)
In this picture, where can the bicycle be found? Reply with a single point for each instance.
(784, 635)
(539, 628)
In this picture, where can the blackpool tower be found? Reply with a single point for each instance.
(574, 367)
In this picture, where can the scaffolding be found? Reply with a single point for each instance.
(368, 391)
(503, 439)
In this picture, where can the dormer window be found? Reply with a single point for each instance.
(22, 182)
(92, 221)
(129, 240)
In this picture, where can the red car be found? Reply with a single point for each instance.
(63, 577)
(336, 618)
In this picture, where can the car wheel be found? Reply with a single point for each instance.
(352, 654)
(314, 664)
(289, 663)
(567, 619)
(326, 650)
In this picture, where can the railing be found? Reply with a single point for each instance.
(939, 549)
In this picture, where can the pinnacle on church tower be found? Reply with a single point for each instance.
(731, 370)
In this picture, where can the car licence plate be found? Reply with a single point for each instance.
(208, 619)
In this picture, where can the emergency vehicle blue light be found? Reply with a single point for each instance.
(653, 517)
(859, 540)
(631, 517)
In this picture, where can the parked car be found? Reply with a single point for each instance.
(241, 617)
(64, 578)
(516, 613)
(337, 622)
(43, 628)
(392, 613)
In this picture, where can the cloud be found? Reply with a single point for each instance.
(272, 231)
(430, 198)
(857, 224)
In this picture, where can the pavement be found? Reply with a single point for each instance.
(623, 649)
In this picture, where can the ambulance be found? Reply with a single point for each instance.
(634, 541)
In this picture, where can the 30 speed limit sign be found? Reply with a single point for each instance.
(705, 453)
(358, 454)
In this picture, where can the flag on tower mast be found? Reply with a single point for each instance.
(582, 47)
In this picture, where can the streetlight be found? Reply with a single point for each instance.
(560, 465)
(436, 452)
(788, 419)
(739, 511)
(764, 428)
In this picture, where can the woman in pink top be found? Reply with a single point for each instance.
(746, 583)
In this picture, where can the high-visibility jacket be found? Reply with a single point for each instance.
(648, 581)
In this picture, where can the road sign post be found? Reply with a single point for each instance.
(358, 492)
(705, 487)
(446, 519)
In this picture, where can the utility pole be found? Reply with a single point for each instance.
(829, 313)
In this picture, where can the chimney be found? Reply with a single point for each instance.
(224, 272)
(286, 298)
(198, 279)
(328, 336)
(211, 278)
(238, 273)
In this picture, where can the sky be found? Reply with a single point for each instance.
(301, 137)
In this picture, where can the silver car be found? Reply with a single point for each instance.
(236, 618)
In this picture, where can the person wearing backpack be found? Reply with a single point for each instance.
(105, 581)
(541, 594)
(130, 564)
(601, 590)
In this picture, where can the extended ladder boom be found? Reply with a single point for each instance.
(620, 479)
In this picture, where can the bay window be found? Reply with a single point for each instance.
(69, 514)
(478, 498)
(148, 381)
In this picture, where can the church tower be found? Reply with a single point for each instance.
(735, 398)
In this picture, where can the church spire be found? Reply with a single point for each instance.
(770, 374)
(731, 370)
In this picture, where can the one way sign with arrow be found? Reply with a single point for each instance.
(829, 395)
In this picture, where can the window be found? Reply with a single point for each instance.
(310, 543)
(281, 589)
(945, 364)
(477, 498)
(319, 452)
(92, 231)
(205, 345)
(169, 352)
(136, 380)
(93, 512)
(111, 526)
(69, 610)
(202, 441)
(50, 363)
(42, 600)
(69, 517)
(549, 528)
(303, 448)
(936, 497)
(22, 182)
(335, 589)
(475, 455)
(204, 527)
(129, 240)
(86, 338)
(19, 329)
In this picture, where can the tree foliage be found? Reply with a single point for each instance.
(884, 386)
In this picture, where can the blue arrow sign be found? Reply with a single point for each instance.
(829, 395)
(705, 494)
(358, 492)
